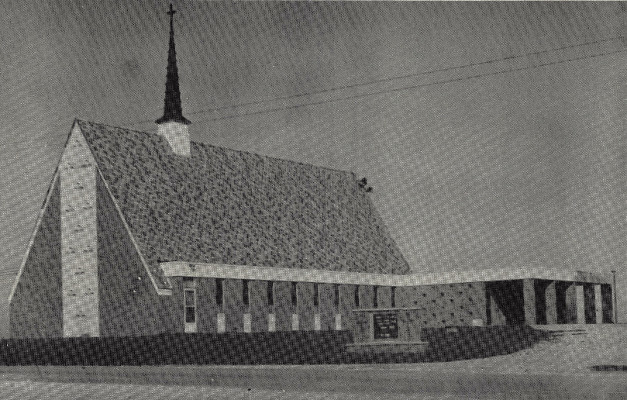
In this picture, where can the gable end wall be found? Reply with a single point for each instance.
(129, 303)
(36, 307)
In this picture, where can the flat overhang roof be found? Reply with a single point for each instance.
(207, 270)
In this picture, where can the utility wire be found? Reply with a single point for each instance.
(382, 80)
(356, 96)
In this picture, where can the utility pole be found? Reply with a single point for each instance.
(615, 312)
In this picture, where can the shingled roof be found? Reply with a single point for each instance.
(233, 207)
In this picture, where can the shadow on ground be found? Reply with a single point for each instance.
(445, 344)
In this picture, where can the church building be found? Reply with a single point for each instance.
(146, 233)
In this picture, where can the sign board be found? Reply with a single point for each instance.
(385, 325)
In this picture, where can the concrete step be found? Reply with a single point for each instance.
(581, 329)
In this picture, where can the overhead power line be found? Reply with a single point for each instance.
(381, 80)
(393, 78)
(356, 96)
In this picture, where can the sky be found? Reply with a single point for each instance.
(492, 133)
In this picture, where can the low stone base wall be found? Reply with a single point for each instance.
(286, 347)
(389, 347)
(464, 342)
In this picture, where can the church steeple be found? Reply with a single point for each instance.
(173, 125)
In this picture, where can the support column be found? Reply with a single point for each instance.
(529, 298)
(551, 303)
(589, 303)
(581, 304)
(607, 304)
(570, 303)
(598, 304)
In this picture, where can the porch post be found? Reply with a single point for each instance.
(529, 297)
(551, 303)
(581, 304)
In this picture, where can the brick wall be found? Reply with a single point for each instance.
(445, 305)
(207, 307)
(346, 304)
(36, 308)
(283, 305)
(305, 308)
(259, 308)
(327, 308)
(233, 306)
(129, 303)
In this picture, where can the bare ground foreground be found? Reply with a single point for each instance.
(554, 369)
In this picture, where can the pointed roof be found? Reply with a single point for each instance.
(227, 206)
(172, 109)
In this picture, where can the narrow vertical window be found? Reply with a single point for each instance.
(219, 291)
(316, 295)
(375, 296)
(356, 296)
(336, 296)
(270, 293)
(393, 296)
(245, 296)
(294, 295)
(190, 305)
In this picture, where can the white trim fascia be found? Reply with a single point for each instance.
(206, 270)
(161, 292)
(40, 217)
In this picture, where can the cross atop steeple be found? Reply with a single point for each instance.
(173, 125)
(171, 14)
(172, 109)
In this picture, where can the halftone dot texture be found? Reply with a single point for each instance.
(525, 168)
(232, 207)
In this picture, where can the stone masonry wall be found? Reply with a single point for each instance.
(78, 238)
(445, 305)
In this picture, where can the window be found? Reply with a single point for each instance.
(393, 296)
(190, 305)
(356, 296)
(245, 296)
(375, 296)
(270, 293)
(189, 302)
(294, 294)
(219, 291)
(316, 295)
(336, 297)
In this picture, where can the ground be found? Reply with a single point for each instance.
(559, 368)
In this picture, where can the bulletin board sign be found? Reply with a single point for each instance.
(385, 325)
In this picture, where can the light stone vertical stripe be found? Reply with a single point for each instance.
(598, 304)
(79, 239)
(338, 322)
(221, 323)
(295, 322)
(581, 305)
(247, 323)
